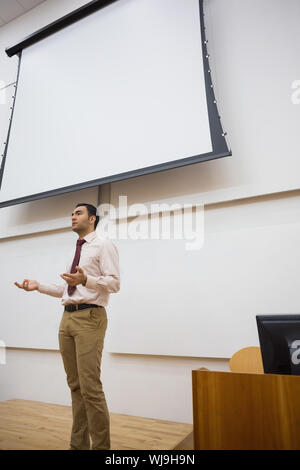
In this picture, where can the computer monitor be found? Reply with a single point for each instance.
(279, 337)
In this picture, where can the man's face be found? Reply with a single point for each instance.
(80, 220)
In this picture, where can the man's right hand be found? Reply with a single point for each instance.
(28, 285)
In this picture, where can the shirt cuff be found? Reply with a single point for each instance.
(107, 283)
(43, 288)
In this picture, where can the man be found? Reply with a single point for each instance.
(93, 276)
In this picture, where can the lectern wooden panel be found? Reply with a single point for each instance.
(245, 411)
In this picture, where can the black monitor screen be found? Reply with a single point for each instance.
(279, 337)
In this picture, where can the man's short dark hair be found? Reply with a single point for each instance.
(92, 210)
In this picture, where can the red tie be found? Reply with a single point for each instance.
(76, 259)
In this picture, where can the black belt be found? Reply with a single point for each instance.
(74, 307)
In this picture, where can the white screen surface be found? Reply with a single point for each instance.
(120, 90)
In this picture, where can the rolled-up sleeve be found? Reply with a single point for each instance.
(109, 280)
(55, 290)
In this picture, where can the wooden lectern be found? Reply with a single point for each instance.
(241, 411)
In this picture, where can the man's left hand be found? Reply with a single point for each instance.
(74, 279)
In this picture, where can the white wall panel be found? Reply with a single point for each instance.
(204, 302)
(31, 319)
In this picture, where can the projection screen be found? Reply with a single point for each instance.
(122, 90)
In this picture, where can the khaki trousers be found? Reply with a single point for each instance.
(81, 338)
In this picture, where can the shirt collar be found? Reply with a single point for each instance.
(90, 236)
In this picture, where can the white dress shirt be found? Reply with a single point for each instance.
(99, 260)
